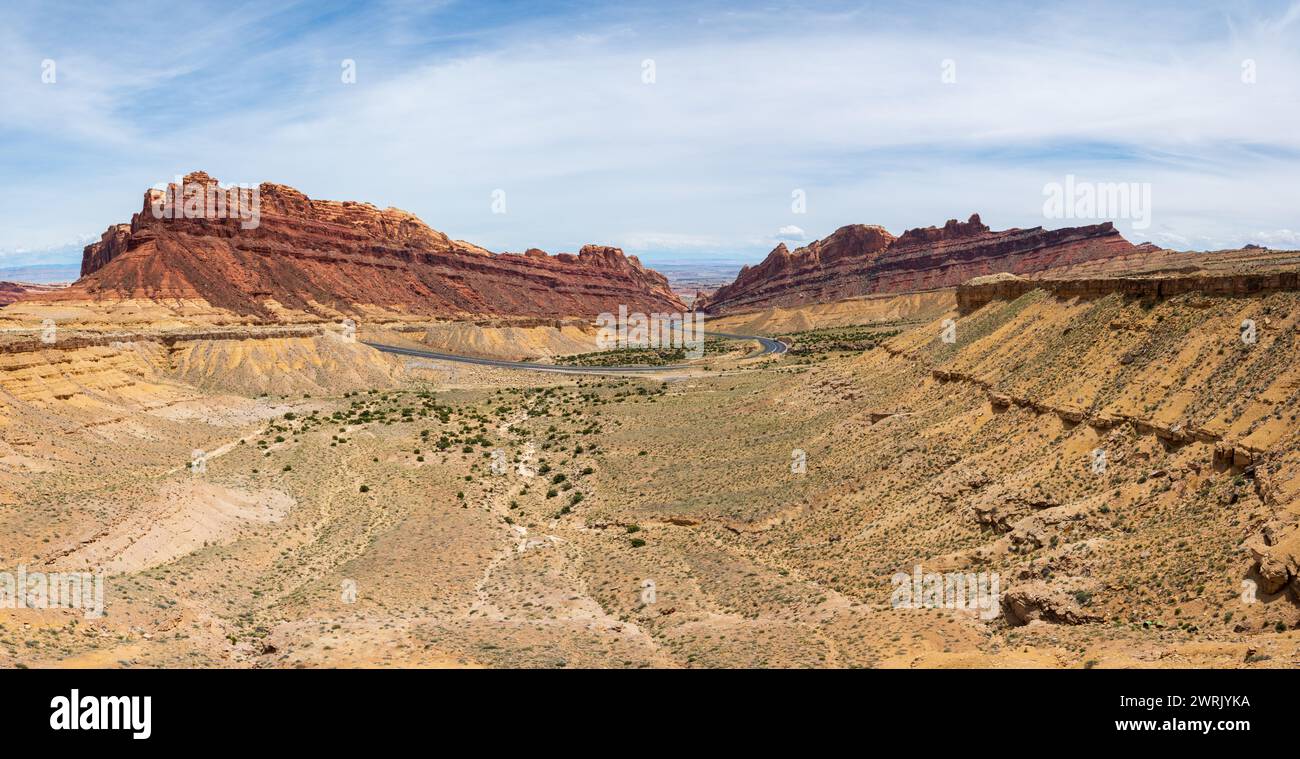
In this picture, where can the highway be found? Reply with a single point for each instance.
(769, 345)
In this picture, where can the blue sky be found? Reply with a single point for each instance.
(548, 102)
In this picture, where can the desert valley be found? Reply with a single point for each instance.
(265, 442)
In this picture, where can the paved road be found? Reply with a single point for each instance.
(770, 346)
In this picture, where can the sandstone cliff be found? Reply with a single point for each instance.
(309, 258)
(863, 260)
(1209, 282)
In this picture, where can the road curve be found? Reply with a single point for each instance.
(770, 346)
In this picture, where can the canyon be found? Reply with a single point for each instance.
(205, 425)
(348, 513)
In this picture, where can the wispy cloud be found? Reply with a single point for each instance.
(455, 101)
(1285, 239)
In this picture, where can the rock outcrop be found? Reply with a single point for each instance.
(813, 273)
(982, 290)
(1277, 562)
(863, 260)
(111, 245)
(1038, 601)
(279, 255)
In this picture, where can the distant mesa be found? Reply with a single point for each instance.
(864, 259)
(11, 292)
(309, 259)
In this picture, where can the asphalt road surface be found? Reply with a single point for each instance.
(769, 345)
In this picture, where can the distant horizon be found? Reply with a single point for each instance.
(52, 266)
(44, 274)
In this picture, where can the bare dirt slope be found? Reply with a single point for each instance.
(910, 308)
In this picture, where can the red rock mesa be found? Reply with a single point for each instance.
(310, 258)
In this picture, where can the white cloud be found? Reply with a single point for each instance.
(1172, 240)
(858, 117)
(1283, 239)
(636, 242)
(791, 232)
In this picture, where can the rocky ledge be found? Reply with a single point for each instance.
(980, 291)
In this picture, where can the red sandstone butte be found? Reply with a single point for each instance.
(322, 257)
(864, 260)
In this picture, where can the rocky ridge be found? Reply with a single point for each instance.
(308, 259)
(862, 260)
(977, 292)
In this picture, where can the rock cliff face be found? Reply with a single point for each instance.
(111, 245)
(863, 260)
(980, 291)
(811, 274)
(283, 255)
